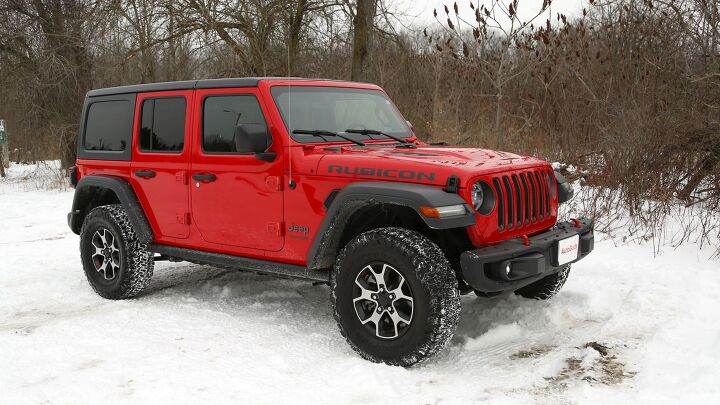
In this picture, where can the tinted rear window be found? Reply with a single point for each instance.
(163, 125)
(109, 125)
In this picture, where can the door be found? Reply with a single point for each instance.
(236, 197)
(161, 155)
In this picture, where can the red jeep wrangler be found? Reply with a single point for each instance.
(319, 180)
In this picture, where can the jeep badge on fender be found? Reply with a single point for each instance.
(397, 228)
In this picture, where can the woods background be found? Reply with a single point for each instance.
(628, 93)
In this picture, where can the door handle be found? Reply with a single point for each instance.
(204, 177)
(148, 174)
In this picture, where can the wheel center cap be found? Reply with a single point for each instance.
(384, 299)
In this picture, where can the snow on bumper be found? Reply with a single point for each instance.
(517, 262)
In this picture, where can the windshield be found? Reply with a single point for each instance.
(337, 109)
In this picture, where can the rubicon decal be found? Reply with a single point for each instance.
(380, 172)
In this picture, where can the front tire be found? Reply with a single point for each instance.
(395, 296)
(116, 264)
(547, 287)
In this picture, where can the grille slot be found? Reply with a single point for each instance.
(510, 203)
(534, 197)
(541, 194)
(518, 201)
(526, 197)
(501, 204)
(522, 198)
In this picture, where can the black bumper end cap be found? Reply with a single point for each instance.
(72, 221)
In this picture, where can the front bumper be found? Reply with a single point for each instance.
(485, 269)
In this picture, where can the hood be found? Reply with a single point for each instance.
(425, 164)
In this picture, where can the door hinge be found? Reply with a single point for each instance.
(183, 218)
(182, 177)
(275, 228)
(273, 183)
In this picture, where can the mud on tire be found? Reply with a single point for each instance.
(411, 266)
(546, 287)
(116, 264)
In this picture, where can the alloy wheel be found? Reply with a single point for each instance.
(383, 300)
(106, 257)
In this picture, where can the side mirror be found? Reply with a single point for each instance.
(253, 138)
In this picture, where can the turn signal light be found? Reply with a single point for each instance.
(443, 212)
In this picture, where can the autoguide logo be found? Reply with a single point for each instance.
(570, 248)
(380, 172)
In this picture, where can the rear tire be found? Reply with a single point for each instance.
(116, 264)
(395, 296)
(546, 287)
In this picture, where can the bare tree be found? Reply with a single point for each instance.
(363, 26)
(46, 42)
(497, 33)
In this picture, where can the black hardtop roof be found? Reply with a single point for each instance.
(189, 84)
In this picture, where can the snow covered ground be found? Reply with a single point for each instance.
(628, 328)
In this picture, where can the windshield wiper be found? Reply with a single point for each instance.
(375, 132)
(321, 133)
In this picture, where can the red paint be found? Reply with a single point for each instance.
(164, 197)
(249, 208)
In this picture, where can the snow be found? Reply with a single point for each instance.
(630, 326)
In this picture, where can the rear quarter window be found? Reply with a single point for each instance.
(108, 124)
(107, 130)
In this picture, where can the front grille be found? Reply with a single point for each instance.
(523, 198)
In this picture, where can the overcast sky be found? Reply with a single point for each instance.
(420, 12)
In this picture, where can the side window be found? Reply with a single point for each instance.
(162, 125)
(222, 114)
(108, 126)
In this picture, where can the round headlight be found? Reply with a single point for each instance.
(477, 195)
(482, 197)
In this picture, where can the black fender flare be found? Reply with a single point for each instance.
(342, 204)
(564, 188)
(124, 192)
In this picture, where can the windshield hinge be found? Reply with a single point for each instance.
(452, 184)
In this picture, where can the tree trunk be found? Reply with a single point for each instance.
(498, 120)
(362, 40)
(172, 48)
(62, 25)
(295, 31)
(499, 83)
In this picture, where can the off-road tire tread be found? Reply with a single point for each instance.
(138, 264)
(433, 271)
(547, 287)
